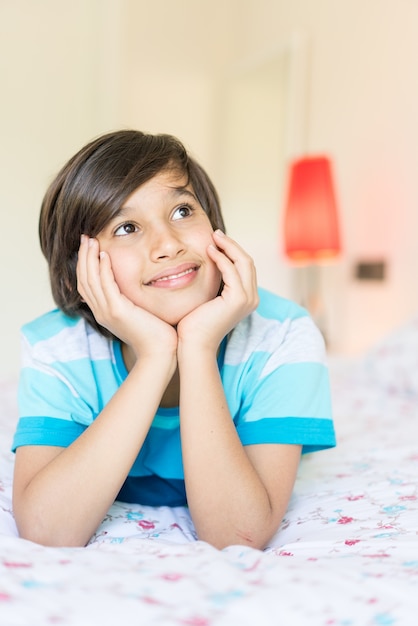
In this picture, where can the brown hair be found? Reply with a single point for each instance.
(92, 187)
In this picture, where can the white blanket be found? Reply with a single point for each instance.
(345, 555)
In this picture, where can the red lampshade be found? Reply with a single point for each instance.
(311, 231)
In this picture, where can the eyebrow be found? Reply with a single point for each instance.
(183, 191)
(177, 192)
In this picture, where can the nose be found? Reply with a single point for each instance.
(165, 242)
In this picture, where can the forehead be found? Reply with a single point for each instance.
(168, 184)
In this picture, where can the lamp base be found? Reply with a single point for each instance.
(307, 287)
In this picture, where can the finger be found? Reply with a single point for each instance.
(239, 289)
(231, 248)
(227, 268)
(93, 271)
(242, 261)
(81, 268)
(89, 279)
(108, 283)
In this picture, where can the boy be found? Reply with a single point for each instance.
(165, 377)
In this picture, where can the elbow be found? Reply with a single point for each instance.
(39, 524)
(38, 531)
(256, 538)
(49, 539)
(258, 531)
(40, 537)
(237, 539)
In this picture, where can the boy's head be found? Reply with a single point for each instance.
(92, 187)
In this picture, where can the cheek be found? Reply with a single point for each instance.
(124, 272)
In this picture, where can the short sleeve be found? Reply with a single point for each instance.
(59, 394)
(278, 370)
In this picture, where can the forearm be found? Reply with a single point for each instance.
(227, 498)
(67, 499)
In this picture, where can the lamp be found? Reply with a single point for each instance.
(311, 229)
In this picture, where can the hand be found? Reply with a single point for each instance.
(209, 323)
(141, 330)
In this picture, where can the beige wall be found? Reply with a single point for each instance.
(363, 99)
(72, 70)
(48, 106)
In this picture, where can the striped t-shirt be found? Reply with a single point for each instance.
(272, 367)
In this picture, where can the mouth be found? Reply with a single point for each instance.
(173, 277)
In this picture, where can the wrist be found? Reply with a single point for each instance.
(187, 350)
(160, 360)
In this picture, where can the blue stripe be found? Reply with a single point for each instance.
(312, 433)
(46, 431)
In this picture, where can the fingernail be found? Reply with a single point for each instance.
(218, 231)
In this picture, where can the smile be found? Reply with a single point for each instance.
(178, 278)
(172, 276)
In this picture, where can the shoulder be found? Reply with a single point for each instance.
(277, 326)
(54, 336)
(273, 306)
(48, 325)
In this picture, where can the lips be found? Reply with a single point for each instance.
(174, 275)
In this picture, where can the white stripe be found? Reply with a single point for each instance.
(303, 344)
(71, 344)
(290, 341)
(29, 361)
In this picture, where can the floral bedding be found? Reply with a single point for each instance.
(346, 553)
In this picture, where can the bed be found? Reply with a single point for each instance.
(346, 553)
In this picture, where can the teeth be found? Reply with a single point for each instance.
(176, 275)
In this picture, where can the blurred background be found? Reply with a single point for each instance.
(247, 85)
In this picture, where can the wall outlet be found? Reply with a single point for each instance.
(370, 270)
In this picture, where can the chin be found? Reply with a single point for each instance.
(174, 317)
(171, 317)
(173, 320)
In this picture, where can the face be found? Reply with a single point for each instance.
(158, 249)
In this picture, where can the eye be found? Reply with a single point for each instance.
(182, 211)
(125, 229)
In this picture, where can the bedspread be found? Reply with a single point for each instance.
(346, 553)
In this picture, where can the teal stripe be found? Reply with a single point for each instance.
(292, 389)
(274, 307)
(303, 390)
(43, 393)
(48, 325)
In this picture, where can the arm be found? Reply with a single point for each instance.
(236, 494)
(61, 495)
